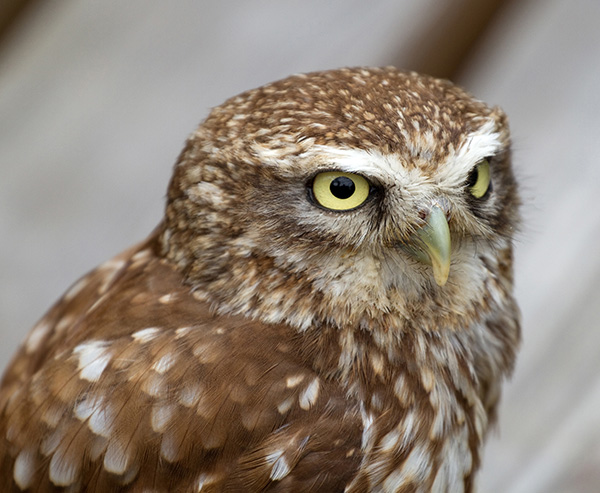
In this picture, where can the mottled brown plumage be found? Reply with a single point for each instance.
(260, 340)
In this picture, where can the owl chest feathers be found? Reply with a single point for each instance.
(420, 403)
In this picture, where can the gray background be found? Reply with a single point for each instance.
(96, 99)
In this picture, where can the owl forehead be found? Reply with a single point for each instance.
(383, 109)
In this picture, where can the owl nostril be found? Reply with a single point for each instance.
(440, 202)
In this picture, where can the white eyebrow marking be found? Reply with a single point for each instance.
(479, 144)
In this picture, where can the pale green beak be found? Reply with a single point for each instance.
(431, 244)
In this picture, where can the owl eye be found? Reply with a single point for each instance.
(479, 181)
(340, 191)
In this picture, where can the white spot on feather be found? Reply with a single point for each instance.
(368, 432)
(112, 264)
(101, 421)
(390, 441)
(113, 267)
(182, 332)
(376, 401)
(141, 255)
(415, 469)
(169, 447)
(205, 480)
(153, 384)
(408, 428)
(427, 379)
(24, 469)
(84, 409)
(206, 352)
(141, 298)
(377, 363)
(209, 191)
(76, 288)
(96, 304)
(13, 431)
(98, 413)
(64, 323)
(403, 391)
(116, 459)
(168, 298)
(285, 406)
(280, 468)
(63, 472)
(145, 335)
(293, 381)
(161, 416)
(309, 396)
(36, 335)
(446, 408)
(164, 364)
(190, 395)
(93, 358)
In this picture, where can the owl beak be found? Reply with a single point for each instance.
(431, 244)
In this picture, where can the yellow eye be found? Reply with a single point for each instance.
(479, 180)
(340, 191)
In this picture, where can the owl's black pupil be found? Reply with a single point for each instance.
(473, 175)
(342, 187)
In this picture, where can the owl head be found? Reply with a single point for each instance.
(344, 197)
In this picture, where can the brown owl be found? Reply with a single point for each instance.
(326, 306)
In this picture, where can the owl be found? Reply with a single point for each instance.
(326, 306)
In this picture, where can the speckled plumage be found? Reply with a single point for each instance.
(260, 342)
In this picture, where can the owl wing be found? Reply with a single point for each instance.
(130, 381)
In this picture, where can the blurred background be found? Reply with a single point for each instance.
(96, 99)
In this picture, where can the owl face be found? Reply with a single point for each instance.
(343, 195)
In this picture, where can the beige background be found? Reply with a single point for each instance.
(96, 99)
